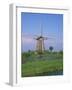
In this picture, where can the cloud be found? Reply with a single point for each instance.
(26, 38)
(27, 42)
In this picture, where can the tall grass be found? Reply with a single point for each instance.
(41, 67)
(47, 64)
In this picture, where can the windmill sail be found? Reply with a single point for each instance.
(40, 47)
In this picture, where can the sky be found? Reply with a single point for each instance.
(51, 25)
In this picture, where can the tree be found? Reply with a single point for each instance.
(51, 48)
(61, 52)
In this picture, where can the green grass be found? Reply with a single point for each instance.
(41, 67)
(48, 64)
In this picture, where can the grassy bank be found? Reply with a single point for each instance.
(51, 64)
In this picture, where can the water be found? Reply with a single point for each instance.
(50, 73)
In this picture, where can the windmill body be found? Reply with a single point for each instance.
(40, 47)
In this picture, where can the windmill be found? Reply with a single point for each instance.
(40, 47)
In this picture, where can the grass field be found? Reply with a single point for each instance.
(47, 64)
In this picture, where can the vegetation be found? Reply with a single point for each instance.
(44, 64)
(51, 48)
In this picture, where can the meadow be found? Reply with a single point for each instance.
(46, 64)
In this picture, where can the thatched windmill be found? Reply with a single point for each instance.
(40, 47)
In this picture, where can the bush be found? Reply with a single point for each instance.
(61, 52)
